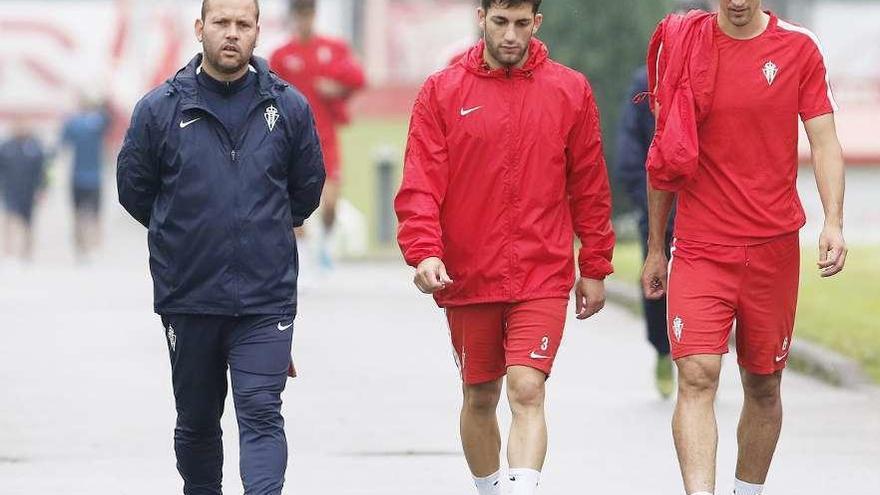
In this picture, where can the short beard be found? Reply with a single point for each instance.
(496, 54)
(215, 63)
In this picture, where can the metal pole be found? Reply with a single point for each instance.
(385, 194)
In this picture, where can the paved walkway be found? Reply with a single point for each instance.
(86, 405)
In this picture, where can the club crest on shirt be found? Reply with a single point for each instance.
(770, 70)
(678, 327)
(271, 116)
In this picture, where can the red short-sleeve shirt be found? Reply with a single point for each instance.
(745, 192)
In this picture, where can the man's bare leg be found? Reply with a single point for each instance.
(759, 426)
(329, 199)
(527, 445)
(480, 436)
(693, 425)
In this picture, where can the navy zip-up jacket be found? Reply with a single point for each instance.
(221, 209)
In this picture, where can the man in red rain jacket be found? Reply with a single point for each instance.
(325, 71)
(503, 166)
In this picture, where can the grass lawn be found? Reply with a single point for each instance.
(840, 313)
(361, 143)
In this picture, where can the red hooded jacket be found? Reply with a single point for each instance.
(682, 64)
(502, 167)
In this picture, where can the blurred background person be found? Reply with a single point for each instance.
(23, 173)
(326, 72)
(633, 139)
(84, 134)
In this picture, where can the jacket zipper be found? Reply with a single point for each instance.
(236, 244)
(233, 144)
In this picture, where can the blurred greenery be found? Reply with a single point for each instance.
(362, 142)
(607, 41)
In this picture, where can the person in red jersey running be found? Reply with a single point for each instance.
(503, 166)
(325, 70)
(748, 76)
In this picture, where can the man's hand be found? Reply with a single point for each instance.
(832, 251)
(291, 369)
(589, 297)
(431, 276)
(330, 89)
(654, 276)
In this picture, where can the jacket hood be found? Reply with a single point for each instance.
(186, 83)
(475, 63)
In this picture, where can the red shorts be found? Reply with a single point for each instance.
(488, 338)
(711, 285)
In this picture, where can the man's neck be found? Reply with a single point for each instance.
(223, 77)
(751, 30)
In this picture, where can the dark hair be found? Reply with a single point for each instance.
(205, 8)
(536, 4)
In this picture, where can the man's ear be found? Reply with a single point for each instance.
(199, 29)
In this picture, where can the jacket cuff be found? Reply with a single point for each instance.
(416, 256)
(596, 271)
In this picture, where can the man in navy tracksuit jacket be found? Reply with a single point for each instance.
(220, 164)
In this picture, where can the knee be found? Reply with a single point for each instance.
(198, 420)
(197, 428)
(526, 392)
(482, 399)
(258, 407)
(762, 390)
(698, 379)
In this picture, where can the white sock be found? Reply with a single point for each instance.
(743, 488)
(701, 493)
(524, 481)
(490, 485)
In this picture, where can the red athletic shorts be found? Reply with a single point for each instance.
(711, 285)
(488, 338)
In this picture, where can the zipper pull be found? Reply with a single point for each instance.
(233, 156)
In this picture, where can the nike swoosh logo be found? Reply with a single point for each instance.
(780, 358)
(469, 110)
(282, 328)
(535, 355)
(184, 124)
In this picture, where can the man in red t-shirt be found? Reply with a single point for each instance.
(736, 253)
(326, 72)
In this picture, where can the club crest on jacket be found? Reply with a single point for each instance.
(271, 116)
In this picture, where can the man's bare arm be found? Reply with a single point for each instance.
(654, 272)
(828, 166)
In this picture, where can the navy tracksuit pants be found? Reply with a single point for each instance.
(256, 349)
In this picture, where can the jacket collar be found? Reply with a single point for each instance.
(476, 63)
(185, 82)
